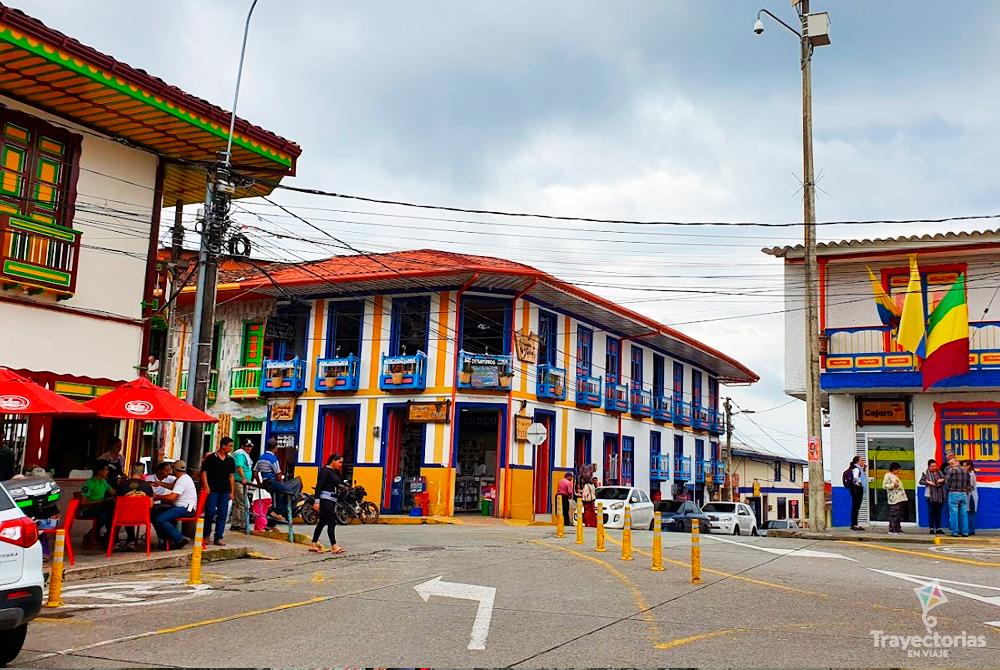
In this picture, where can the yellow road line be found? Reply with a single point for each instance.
(681, 641)
(926, 554)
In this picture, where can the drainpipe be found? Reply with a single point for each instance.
(510, 406)
(450, 499)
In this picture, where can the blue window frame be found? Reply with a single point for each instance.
(485, 325)
(344, 329)
(637, 355)
(777, 471)
(699, 451)
(410, 325)
(654, 445)
(628, 460)
(658, 379)
(584, 349)
(548, 338)
(678, 382)
(713, 394)
(696, 389)
(613, 359)
(678, 446)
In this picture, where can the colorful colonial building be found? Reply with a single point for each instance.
(873, 389)
(91, 149)
(430, 367)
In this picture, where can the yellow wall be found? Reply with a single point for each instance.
(522, 483)
(370, 477)
(438, 490)
(308, 474)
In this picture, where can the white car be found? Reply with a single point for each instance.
(21, 578)
(731, 518)
(779, 524)
(615, 498)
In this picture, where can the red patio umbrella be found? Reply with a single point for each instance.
(20, 395)
(142, 400)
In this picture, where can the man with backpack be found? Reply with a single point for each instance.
(854, 480)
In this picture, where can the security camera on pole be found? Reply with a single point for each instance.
(814, 32)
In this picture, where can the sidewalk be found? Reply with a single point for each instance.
(912, 535)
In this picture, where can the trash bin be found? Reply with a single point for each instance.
(486, 508)
(422, 502)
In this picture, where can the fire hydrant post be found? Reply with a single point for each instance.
(627, 535)
(579, 521)
(600, 527)
(56, 576)
(199, 538)
(657, 544)
(560, 501)
(695, 552)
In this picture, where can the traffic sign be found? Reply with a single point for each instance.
(537, 434)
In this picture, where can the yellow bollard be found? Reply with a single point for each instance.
(627, 535)
(579, 521)
(657, 544)
(560, 530)
(937, 539)
(56, 576)
(695, 552)
(600, 527)
(195, 577)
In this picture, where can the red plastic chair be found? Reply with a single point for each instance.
(198, 513)
(67, 525)
(131, 511)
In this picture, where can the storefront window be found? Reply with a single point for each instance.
(883, 451)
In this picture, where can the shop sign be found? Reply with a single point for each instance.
(429, 412)
(286, 441)
(883, 412)
(521, 426)
(488, 372)
(283, 410)
(526, 345)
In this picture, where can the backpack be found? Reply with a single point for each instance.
(848, 477)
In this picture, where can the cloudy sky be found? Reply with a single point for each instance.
(641, 109)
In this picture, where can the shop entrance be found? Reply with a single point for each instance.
(883, 451)
(339, 435)
(404, 455)
(543, 462)
(581, 451)
(477, 459)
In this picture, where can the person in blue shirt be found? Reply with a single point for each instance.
(271, 479)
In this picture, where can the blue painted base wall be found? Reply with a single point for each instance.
(987, 516)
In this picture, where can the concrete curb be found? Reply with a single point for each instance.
(906, 538)
(298, 538)
(146, 564)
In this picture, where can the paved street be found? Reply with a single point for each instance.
(763, 601)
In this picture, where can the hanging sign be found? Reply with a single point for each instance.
(428, 412)
(526, 345)
(283, 410)
(756, 489)
(521, 426)
(815, 452)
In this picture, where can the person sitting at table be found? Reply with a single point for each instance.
(162, 480)
(184, 499)
(135, 485)
(97, 502)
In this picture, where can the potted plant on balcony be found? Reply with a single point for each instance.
(396, 371)
(506, 377)
(465, 375)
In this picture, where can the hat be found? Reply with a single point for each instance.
(179, 466)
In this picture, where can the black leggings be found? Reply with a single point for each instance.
(326, 518)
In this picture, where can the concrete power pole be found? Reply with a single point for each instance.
(814, 423)
(727, 455)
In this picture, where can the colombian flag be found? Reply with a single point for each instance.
(887, 310)
(948, 337)
(912, 333)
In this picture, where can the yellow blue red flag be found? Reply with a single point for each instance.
(887, 310)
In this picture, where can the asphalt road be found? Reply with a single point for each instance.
(762, 602)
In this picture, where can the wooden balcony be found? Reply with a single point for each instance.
(337, 374)
(662, 408)
(404, 373)
(213, 386)
(718, 472)
(550, 383)
(588, 390)
(641, 401)
(283, 376)
(682, 468)
(659, 467)
(682, 413)
(616, 397)
(38, 256)
(244, 383)
(485, 372)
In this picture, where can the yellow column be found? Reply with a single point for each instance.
(600, 527)
(199, 536)
(695, 552)
(627, 535)
(56, 578)
(560, 530)
(657, 565)
(579, 520)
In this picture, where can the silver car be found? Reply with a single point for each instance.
(731, 518)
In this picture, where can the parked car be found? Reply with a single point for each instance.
(731, 518)
(677, 515)
(614, 499)
(21, 578)
(778, 524)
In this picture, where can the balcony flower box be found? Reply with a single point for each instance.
(588, 390)
(337, 374)
(283, 376)
(551, 383)
(404, 373)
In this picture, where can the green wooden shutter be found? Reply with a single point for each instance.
(253, 343)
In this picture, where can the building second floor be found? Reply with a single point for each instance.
(438, 324)
(859, 351)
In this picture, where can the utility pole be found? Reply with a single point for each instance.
(814, 422)
(728, 452)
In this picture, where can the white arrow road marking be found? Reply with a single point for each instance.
(918, 579)
(131, 594)
(803, 553)
(483, 594)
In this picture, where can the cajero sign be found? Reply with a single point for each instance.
(883, 412)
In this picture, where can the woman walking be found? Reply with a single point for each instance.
(897, 498)
(589, 495)
(328, 486)
(970, 467)
(933, 483)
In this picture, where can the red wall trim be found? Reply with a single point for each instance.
(72, 310)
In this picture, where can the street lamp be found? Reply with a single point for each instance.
(814, 31)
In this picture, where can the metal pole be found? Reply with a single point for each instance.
(236, 95)
(814, 423)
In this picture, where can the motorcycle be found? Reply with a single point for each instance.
(352, 505)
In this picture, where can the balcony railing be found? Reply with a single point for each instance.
(701, 468)
(682, 413)
(213, 386)
(699, 417)
(641, 401)
(870, 350)
(588, 390)
(719, 473)
(716, 422)
(182, 391)
(682, 468)
(283, 376)
(485, 372)
(661, 408)
(659, 467)
(616, 397)
(38, 256)
(244, 383)
(404, 373)
(337, 374)
(550, 383)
